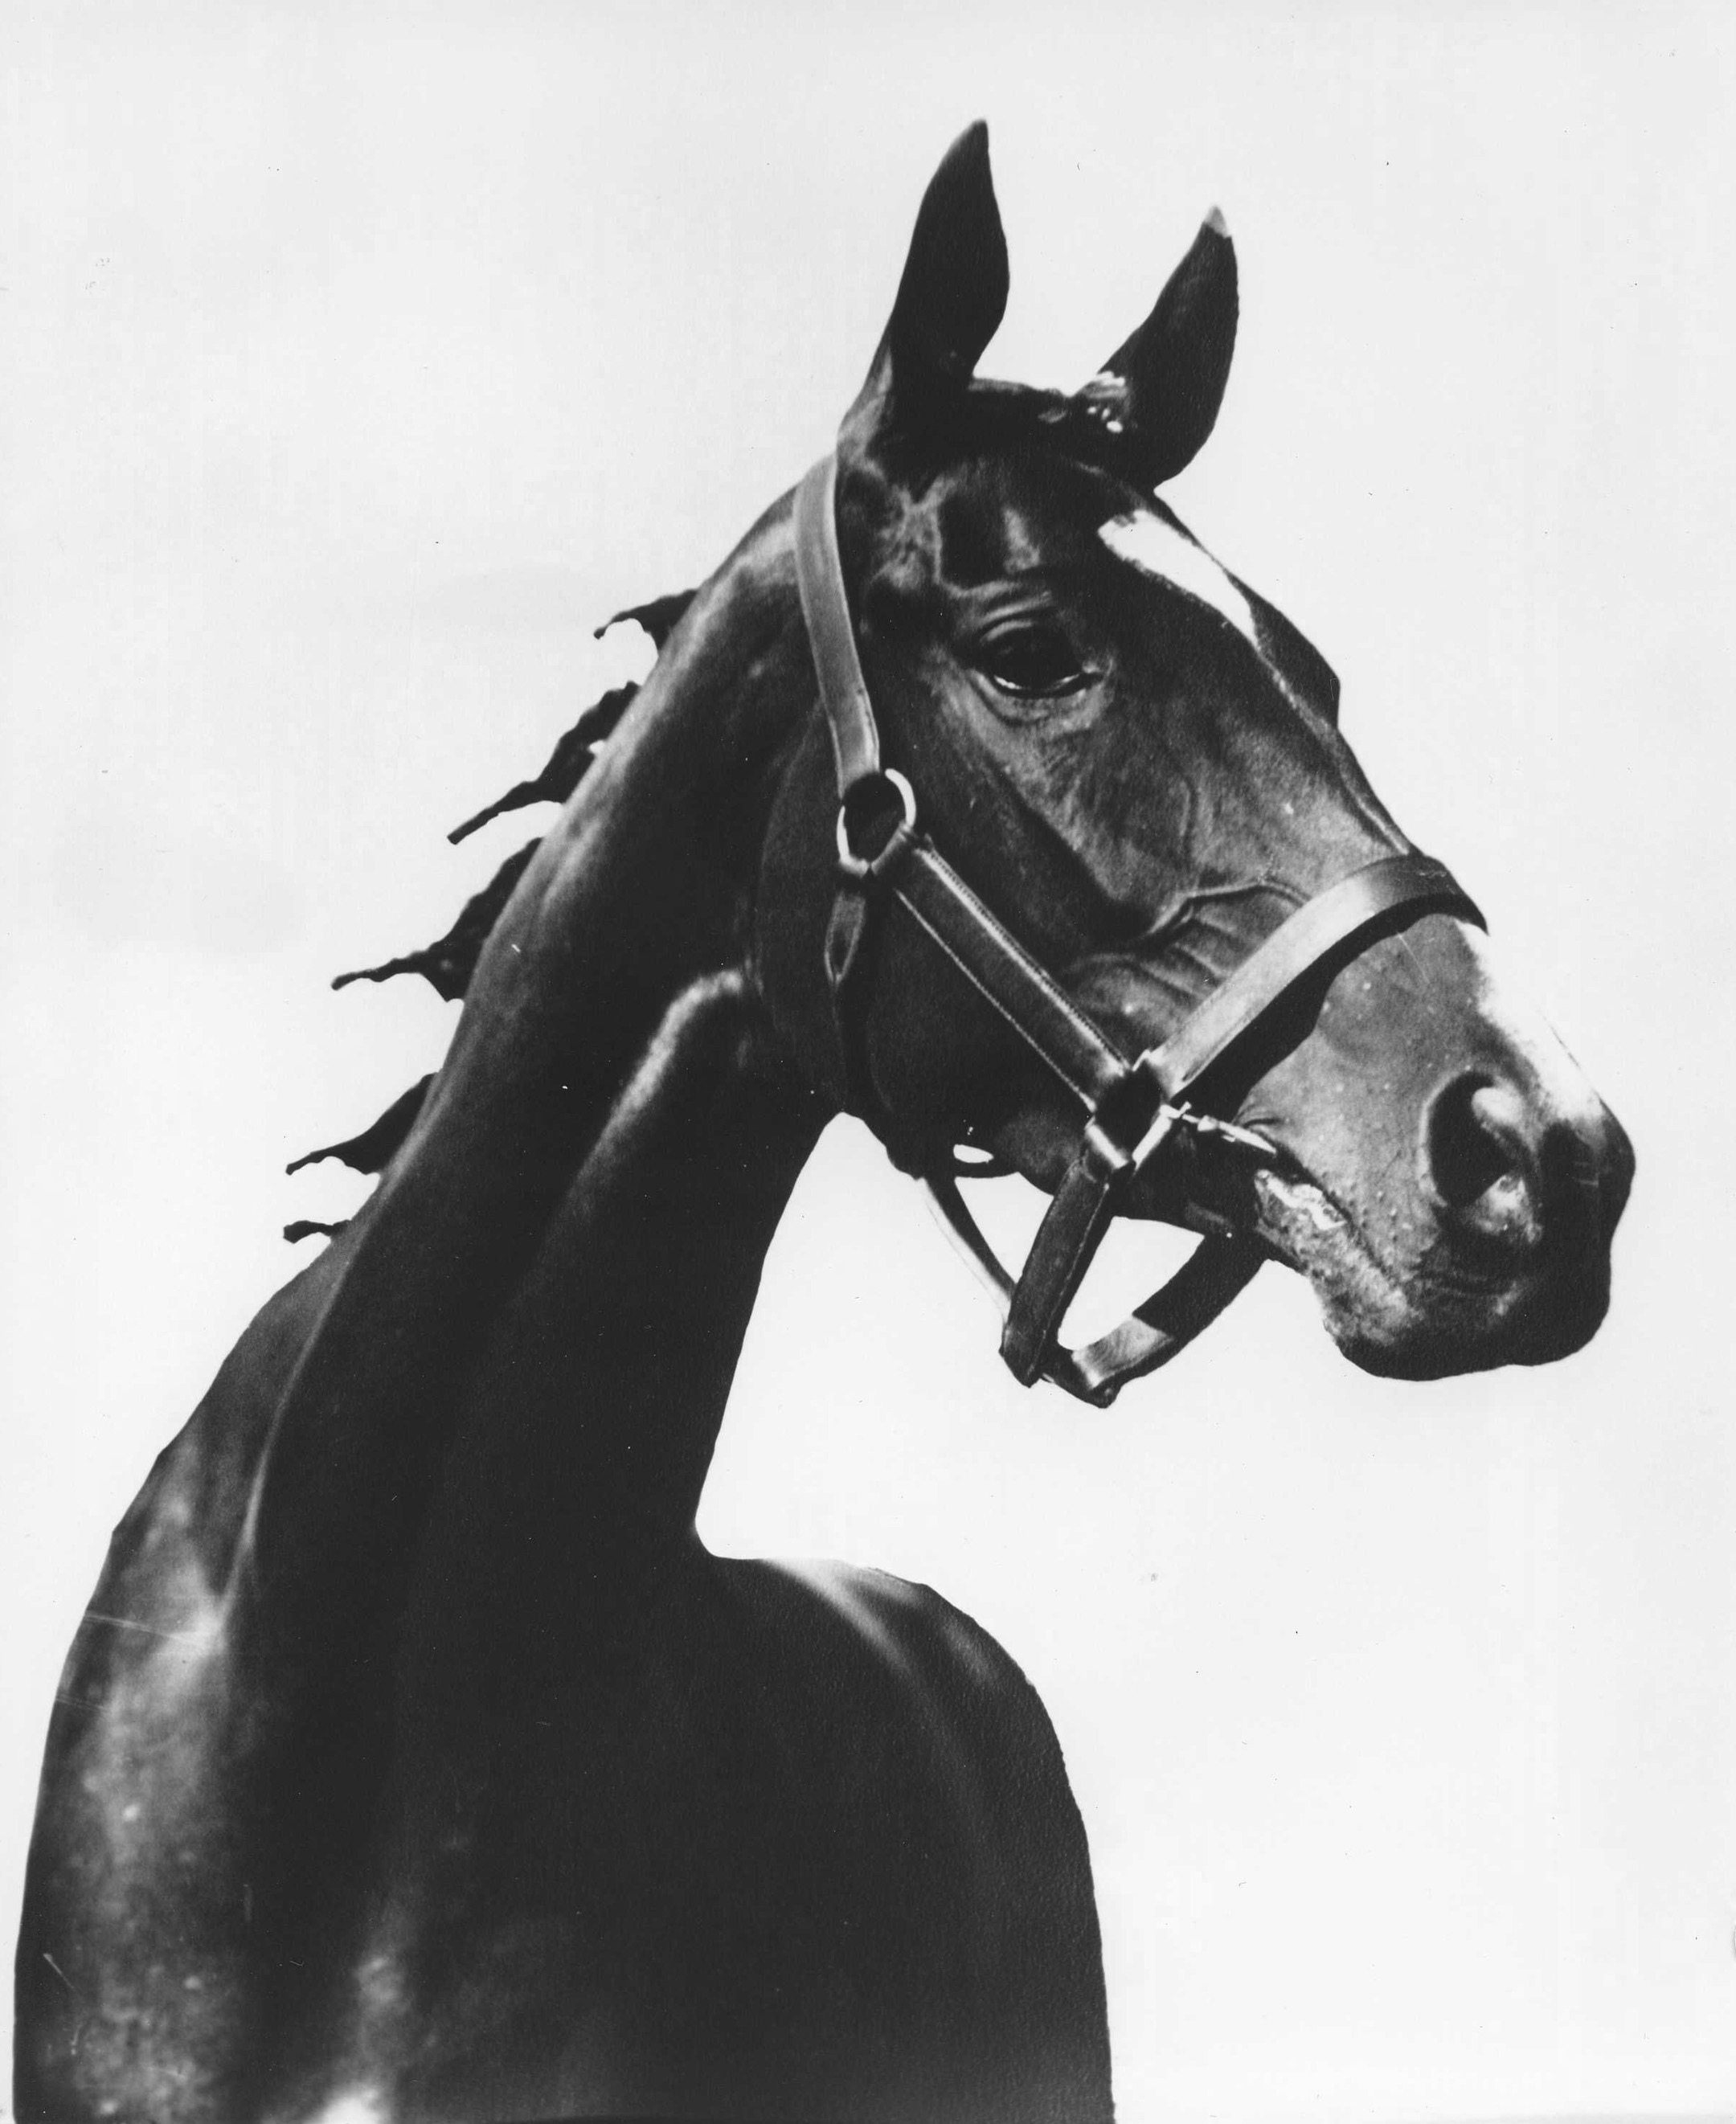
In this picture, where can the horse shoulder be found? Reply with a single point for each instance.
(982, 1725)
(927, 1756)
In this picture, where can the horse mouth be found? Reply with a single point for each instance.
(1291, 1205)
(1378, 1317)
(1311, 1232)
(1370, 1309)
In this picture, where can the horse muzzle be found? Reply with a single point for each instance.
(1450, 1183)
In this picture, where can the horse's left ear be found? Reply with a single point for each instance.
(953, 292)
(1163, 387)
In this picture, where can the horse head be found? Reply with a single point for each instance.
(1135, 763)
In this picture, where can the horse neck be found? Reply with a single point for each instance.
(568, 1245)
(593, 1412)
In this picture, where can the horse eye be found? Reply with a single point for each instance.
(1031, 657)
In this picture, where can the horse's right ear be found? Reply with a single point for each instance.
(953, 293)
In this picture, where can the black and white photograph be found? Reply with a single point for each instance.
(869, 962)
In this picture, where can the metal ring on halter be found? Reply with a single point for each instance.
(858, 866)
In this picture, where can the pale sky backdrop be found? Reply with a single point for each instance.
(358, 360)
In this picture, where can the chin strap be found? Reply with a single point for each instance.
(1133, 1108)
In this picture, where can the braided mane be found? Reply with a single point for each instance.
(448, 963)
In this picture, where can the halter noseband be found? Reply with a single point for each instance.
(1133, 1109)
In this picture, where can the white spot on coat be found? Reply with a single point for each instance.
(1149, 544)
(1556, 1080)
(355, 2105)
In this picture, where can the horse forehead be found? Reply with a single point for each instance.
(1001, 515)
(1160, 549)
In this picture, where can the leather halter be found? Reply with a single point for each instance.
(1132, 1108)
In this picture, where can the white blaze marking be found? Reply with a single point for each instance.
(1158, 548)
(355, 2105)
(1557, 1081)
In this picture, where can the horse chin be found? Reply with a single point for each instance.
(1415, 1323)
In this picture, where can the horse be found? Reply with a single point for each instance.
(414, 1758)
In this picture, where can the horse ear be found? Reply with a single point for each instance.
(953, 292)
(1163, 387)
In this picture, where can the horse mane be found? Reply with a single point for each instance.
(448, 963)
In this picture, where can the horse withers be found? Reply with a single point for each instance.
(414, 1760)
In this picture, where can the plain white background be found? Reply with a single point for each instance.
(358, 361)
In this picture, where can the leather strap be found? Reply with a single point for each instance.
(1005, 975)
(1215, 1273)
(819, 580)
(1213, 1277)
(1072, 1228)
(1416, 883)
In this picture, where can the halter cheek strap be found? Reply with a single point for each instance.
(1132, 1108)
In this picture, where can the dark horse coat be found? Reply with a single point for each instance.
(414, 1760)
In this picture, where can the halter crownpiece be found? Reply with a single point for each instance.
(1133, 1109)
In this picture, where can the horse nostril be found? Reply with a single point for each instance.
(1477, 1163)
